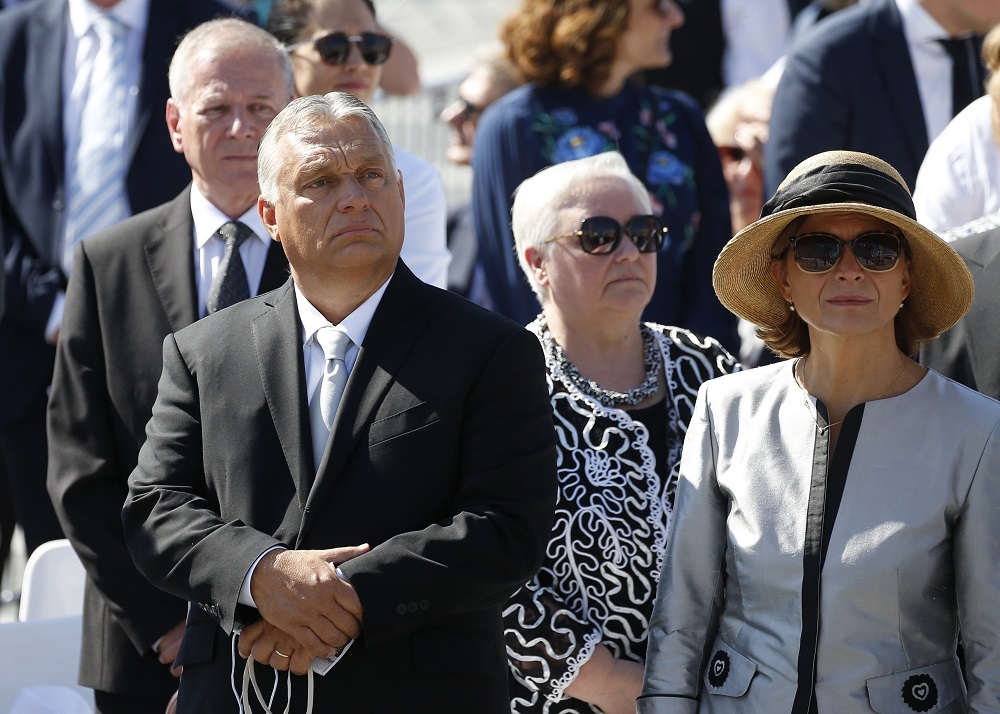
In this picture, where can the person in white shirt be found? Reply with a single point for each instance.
(959, 179)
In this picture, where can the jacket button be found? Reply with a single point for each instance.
(425, 604)
(401, 609)
(412, 607)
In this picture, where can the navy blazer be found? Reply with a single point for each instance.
(32, 171)
(849, 84)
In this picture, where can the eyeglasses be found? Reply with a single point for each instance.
(733, 154)
(336, 47)
(468, 112)
(601, 235)
(875, 251)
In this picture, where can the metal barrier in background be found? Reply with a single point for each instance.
(412, 123)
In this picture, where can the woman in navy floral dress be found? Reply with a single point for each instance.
(581, 100)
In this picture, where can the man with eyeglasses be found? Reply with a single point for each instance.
(490, 77)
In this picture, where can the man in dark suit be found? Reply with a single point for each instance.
(970, 351)
(44, 71)
(438, 465)
(131, 285)
(875, 78)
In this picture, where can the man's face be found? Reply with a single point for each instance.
(338, 209)
(232, 96)
(477, 92)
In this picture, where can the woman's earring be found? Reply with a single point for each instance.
(791, 306)
(900, 306)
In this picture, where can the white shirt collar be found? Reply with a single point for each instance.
(134, 14)
(918, 25)
(355, 325)
(208, 218)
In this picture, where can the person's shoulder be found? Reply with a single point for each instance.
(466, 319)
(128, 236)
(749, 383)
(689, 341)
(15, 20)
(837, 32)
(979, 244)
(954, 402)
(668, 97)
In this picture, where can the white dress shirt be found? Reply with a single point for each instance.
(209, 247)
(425, 217)
(356, 326)
(79, 51)
(959, 179)
(931, 64)
(756, 33)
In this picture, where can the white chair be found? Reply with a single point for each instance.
(40, 653)
(53, 581)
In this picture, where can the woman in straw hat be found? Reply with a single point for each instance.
(836, 513)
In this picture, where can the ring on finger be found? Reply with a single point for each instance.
(281, 654)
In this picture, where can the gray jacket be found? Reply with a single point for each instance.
(793, 581)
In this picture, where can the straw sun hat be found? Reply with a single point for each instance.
(836, 182)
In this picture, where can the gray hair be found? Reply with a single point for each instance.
(308, 112)
(538, 200)
(215, 37)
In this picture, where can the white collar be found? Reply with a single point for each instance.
(207, 219)
(134, 14)
(355, 325)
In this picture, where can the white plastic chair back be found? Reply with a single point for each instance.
(53, 581)
(42, 653)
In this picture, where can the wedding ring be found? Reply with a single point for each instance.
(281, 654)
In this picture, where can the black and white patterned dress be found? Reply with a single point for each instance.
(616, 489)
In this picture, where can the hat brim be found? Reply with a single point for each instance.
(941, 289)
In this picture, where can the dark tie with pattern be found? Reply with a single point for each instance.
(230, 284)
(967, 71)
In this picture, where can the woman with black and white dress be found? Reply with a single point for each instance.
(622, 393)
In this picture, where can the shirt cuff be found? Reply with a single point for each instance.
(55, 318)
(245, 597)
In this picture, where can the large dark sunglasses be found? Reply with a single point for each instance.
(601, 235)
(336, 47)
(875, 251)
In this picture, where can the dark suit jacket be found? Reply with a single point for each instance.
(849, 84)
(441, 457)
(132, 285)
(32, 169)
(970, 351)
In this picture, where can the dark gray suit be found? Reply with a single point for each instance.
(442, 457)
(970, 351)
(132, 285)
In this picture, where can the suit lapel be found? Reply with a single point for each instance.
(894, 64)
(394, 329)
(170, 257)
(277, 340)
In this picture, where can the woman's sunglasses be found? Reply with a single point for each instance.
(335, 48)
(601, 235)
(875, 251)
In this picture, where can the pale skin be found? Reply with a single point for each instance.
(645, 44)
(338, 211)
(593, 308)
(849, 312)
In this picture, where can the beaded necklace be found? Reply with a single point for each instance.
(608, 397)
